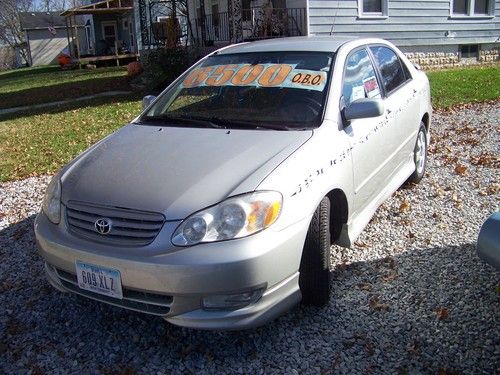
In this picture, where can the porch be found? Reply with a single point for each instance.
(254, 24)
(109, 33)
(207, 23)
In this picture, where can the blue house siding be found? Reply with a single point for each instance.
(409, 23)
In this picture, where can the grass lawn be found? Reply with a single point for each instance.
(37, 85)
(42, 143)
(464, 85)
(33, 144)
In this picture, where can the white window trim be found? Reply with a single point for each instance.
(89, 37)
(372, 15)
(109, 23)
(470, 11)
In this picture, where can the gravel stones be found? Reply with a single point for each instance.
(410, 297)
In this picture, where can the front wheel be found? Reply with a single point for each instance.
(314, 279)
(419, 156)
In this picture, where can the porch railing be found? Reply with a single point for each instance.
(262, 23)
(256, 23)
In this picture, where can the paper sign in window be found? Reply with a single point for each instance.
(371, 87)
(256, 75)
(358, 92)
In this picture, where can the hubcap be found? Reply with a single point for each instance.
(420, 152)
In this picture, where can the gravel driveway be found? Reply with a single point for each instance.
(410, 297)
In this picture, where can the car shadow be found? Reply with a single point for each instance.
(414, 312)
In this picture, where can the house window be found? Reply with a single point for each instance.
(469, 50)
(246, 12)
(279, 4)
(372, 8)
(471, 7)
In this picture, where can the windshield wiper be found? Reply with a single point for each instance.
(218, 122)
(241, 124)
(191, 120)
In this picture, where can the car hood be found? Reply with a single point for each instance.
(174, 170)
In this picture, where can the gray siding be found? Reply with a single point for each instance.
(409, 23)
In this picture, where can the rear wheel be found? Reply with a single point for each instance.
(314, 279)
(419, 155)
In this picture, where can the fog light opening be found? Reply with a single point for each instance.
(231, 301)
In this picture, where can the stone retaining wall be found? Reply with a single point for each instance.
(431, 60)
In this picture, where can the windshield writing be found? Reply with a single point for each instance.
(258, 75)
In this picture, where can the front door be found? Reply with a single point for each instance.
(371, 139)
(109, 36)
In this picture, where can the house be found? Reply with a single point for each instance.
(109, 31)
(47, 36)
(431, 32)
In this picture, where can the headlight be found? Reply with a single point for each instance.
(235, 217)
(52, 201)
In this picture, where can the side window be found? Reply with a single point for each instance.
(390, 67)
(360, 80)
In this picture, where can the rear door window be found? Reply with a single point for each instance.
(390, 66)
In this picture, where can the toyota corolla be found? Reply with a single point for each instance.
(216, 208)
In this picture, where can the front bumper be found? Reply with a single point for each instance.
(172, 283)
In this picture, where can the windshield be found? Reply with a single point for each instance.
(275, 90)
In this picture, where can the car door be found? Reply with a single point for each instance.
(401, 100)
(372, 140)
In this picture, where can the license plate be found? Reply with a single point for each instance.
(99, 279)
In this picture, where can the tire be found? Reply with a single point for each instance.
(314, 279)
(419, 155)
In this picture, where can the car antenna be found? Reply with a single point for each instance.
(335, 17)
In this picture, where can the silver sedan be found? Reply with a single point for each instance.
(216, 208)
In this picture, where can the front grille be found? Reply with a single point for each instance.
(129, 227)
(150, 303)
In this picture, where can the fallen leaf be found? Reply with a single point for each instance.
(405, 206)
(365, 286)
(461, 169)
(361, 244)
(442, 313)
(375, 304)
(392, 275)
(490, 190)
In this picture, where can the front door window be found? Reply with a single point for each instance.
(109, 35)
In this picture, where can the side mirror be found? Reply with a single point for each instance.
(364, 108)
(147, 100)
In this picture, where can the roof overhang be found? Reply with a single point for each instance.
(101, 7)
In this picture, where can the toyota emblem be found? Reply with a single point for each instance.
(103, 225)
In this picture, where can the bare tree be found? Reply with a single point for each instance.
(11, 32)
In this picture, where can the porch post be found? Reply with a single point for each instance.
(67, 34)
(230, 19)
(202, 23)
(236, 21)
(71, 47)
(77, 38)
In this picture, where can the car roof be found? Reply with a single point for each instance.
(300, 43)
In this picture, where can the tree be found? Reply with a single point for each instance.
(11, 32)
